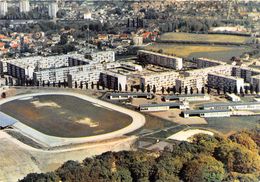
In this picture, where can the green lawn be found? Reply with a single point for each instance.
(204, 37)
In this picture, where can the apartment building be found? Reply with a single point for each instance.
(161, 59)
(101, 56)
(113, 80)
(203, 73)
(189, 82)
(245, 72)
(255, 81)
(159, 80)
(223, 81)
(205, 63)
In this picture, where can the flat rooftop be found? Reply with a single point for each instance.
(159, 54)
(204, 111)
(162, 104)
(183, 95)
(147, 71)
(130, 94)
(231, 104)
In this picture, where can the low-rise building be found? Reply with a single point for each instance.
(207, 113)
(186, 97)
(233, 106)
(163, 106)
(125, 96)
(233, 97)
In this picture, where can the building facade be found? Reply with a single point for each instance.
(3, 7)
(160, 59)
(222, 82)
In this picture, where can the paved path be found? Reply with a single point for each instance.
(138, 122)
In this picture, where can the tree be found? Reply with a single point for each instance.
(168, 90)
(203, 90)
(204, 168)
(131, 88)
(3, 95)
(241, 91)
(174, 90)
(251, 89)
(142, 87)
(120, 87)
(148, 88)
(237, 158)
(191, 90)
(209, 90)
(163, 90)
(81, 85)
(180, 90)
(98, 86)
(186, 90)
(257, 89)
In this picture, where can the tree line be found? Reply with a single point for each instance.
(206, 159)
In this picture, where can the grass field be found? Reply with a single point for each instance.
(188, 50)
(65, 116)
(204, 37)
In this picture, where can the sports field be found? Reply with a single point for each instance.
(65, 116)
(204, 37)
(208, 51)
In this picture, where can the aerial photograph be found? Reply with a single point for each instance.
(130, 91)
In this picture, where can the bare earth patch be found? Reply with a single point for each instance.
(89, 122)
(188, 134)
(39, 104)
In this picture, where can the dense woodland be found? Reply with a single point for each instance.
(207, 158)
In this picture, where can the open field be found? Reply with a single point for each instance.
(208, 51)
(56, 115)
(204, 37)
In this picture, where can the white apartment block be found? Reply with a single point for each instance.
(203, 73)
(53, 9)
(57, 68)
(102, 56)
(3, 7)
(86, 73)
(159, 80)
(114, 80)
(205, 63)
(161, 59)
(223, 81)
(189, 82)
(24, 6)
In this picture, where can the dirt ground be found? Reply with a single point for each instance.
(18, 159)
(172, 115)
